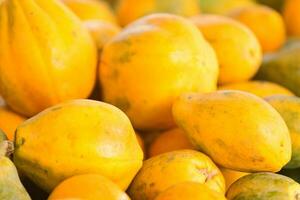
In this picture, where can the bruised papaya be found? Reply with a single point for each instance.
(77, 137)
(46, 55)
(238, 130)
(264, 186)
(289, 109)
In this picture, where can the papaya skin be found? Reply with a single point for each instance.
(77, 137)
(242, 116)
(291, 16)
(190, 191)
(187, 63)
(163, 171)
(55, 55)
(88, 187)
(289, 109)
(11, 187)
(259, 88)
(264, 186)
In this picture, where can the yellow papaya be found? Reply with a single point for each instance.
(259, 88)
(77, 137)
(163, 171)
(238, 130)
(289, 109)
(142, 71)
(46, 55)
(264, 186)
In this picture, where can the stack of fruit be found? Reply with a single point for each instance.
(192, 100)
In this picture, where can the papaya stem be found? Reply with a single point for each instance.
(6, 148)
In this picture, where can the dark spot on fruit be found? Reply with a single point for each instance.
(297, 196)
(122, 103)
(152, 184)
(56, 108)
(126, 57)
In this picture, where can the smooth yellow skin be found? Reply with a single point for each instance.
(163, 171)
(231, 176)
(190, 191)
(264, 186)
(266, 23)
(101, 31)
(91, 10)
(76, 137)
(130, 10)
(46, 55)
(142, 71)
(238, 130)
(259, 88)
(238, 50)
(9, 121)
(88, 187)
(171, 140)
(291, 17)
(289, 109)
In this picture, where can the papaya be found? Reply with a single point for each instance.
(9, 121)
(91, 10)
(231, 176)
(292, 173)
(163, 171)
(282, 67)
(264, 186)
(223, 124)
(46, 55)
(238, 50)
(11, 187)
(143, 53)
(259, 88)
(171, 140)
(130, 10)
(88, 187)
(101, 31)
(77, 137)
(266, 23)
(291, 17)
(190, 191)
(222, 7)
(289, 109)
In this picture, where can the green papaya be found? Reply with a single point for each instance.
(264, 186)
(289, 109)
(283, 67)
(11, 187)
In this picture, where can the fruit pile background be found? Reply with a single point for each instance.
(150, 99)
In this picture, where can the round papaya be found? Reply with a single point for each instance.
(130, 10)
(223, 124)
(264, 186)
(89, 187)
(46, 55)
(77, 137)
(289, 109)
(163, 171)
(91, 10)
(238, 50)
(142, 71)
(259, 88)
(190, 191)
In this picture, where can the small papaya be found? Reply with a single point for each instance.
(163, 171)
(77, 137)
(46, 55)
(289, 109)
(223, 124)
(264, 186)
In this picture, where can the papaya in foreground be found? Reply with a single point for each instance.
(264, 186)
(76, 137)
(238, 130)
(46, 55)
(163, 171)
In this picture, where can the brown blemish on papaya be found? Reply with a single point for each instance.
(126, 57)
(208, 174)
(122, 103)
(56, 108)
(297, 196)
